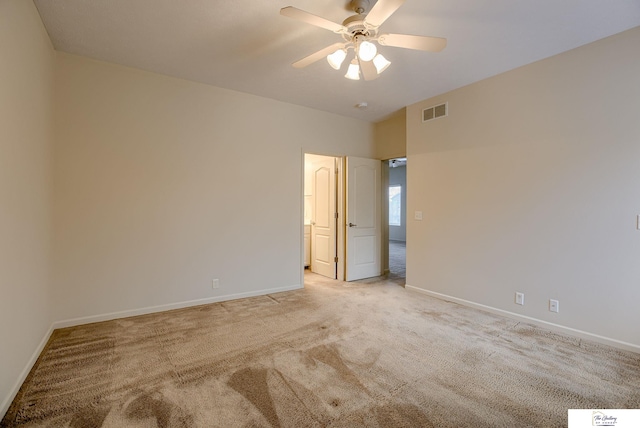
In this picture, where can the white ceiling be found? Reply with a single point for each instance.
(248, 46)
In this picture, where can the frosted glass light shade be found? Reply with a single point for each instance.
(366, 51)
(335, 59)
(353, 72)
(381, 63)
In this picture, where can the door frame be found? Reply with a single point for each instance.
(385, 211)
(341, 223)
(385, 218)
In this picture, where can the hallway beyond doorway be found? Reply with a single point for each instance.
(398, 261)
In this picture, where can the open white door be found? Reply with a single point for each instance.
(363, 219)
(323, 219)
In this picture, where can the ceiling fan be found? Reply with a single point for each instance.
(359, 32)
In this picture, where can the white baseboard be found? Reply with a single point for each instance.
(124, 314)
(161, 308)
(25, 372)
(545, 324)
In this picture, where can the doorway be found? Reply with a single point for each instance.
(342, 217)
(397, 219)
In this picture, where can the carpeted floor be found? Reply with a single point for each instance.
(332, 355)
(398, 261)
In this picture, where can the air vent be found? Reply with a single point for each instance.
(434, 112)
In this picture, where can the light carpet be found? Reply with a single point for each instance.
(335, 354)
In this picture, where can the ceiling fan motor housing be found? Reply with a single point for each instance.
(355, 27)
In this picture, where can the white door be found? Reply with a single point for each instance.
(323, 218)
(363, 219)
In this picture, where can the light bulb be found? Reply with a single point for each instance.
(366, 51)
(335, 59)
(353, 72)
(381, 63)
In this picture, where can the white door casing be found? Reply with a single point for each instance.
(363, 219)
(323, 220)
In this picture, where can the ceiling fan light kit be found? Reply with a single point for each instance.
(353, 72)
(366, 51)
(381, 63)
(335, 59)
(359, 32)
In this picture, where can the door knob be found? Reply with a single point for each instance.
(352, 225)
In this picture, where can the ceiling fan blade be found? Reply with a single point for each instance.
(318, 55)
(369, 71)
(382, 10)
(309, 18)
(421, 43)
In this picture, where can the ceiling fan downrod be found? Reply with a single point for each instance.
(360, 6)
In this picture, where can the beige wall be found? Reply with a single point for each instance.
(162, 185)
(391, 136)
(531, 184)
(26, 90)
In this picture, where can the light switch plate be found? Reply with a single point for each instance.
(417, 215)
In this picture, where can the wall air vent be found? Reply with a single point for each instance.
(435, 112)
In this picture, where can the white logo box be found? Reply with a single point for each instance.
(618, 418)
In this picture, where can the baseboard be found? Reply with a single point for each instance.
(540, 323)
(161, 308)
(25, 372)
(124, 314)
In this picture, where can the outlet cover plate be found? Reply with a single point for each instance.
(519, 298)
(554, 305)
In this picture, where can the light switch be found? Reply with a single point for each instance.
(417, 215)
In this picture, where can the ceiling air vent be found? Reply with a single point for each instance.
(434, 112)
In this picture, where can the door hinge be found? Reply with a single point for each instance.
(335, 259)
(336, 215)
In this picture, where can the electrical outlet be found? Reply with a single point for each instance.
(519, 298)
(215, 283)
(554, 305)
